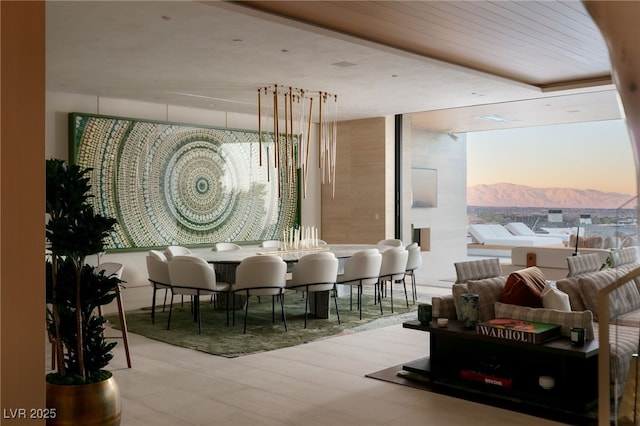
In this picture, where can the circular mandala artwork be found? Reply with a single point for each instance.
(174, 184)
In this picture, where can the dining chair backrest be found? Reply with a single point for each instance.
(270, 243)
(320, 269)
(226, 246)
(172, 251)
(191, 272)
(394, 263)
(363, 265)
(111, 269)
(390, 242)
(158, 267)
(263, 275)
(414, 261)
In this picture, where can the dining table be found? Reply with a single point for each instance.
(226, 261)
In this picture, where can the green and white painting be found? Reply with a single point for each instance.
(176, 184)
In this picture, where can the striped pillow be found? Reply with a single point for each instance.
(566, 320)
(626, 298)
(489, 291)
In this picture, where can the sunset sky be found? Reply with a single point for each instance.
(594, 155)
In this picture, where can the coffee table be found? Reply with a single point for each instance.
(463, 360)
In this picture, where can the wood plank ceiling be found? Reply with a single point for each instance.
(541, 43)
(552, 45)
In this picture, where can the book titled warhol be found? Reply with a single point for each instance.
(518, 330)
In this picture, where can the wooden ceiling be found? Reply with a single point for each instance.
(552, 45)
(548, 44)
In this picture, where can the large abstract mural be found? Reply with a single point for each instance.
(169, 183)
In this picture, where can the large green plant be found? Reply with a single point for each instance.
(75, 289)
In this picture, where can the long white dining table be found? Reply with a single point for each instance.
(226, 261)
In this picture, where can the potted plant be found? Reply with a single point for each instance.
(80, 386)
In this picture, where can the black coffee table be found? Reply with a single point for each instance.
(463, 360)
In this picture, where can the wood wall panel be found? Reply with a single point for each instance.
(357, 213)
(22, 188)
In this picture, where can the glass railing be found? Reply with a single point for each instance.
(618, 375)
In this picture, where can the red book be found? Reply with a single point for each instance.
(518, 330)
(487, 379)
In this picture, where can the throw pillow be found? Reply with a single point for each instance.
(566, 320)
(524, 288)
(489, 291)
(624, 299)
(552, 298)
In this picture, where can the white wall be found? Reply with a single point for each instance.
(59, 105)
(422, 149)
(447, 221)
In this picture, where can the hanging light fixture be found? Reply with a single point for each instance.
(287, 113)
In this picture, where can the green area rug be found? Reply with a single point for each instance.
(262, 335)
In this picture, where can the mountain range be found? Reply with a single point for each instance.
(512, 195)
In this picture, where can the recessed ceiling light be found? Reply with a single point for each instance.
(343, 64)
(493, 117)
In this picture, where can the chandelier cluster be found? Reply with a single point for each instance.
(288, 112)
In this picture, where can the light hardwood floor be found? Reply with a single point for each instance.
(321, 383)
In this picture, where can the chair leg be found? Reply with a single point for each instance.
(227, 309)
(284, 317)
(123, 326)
(351, 298)
(335, 299)
(164, 302)
(390, 285)
(414, 287)
(197, 312)
(273, 309)
(170, 312)
(380, 297)
(360, 298)
(306, 307)
(404, 284)
(153, 305)
(246, 313)
(234, 310)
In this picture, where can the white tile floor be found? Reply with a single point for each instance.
(321, 383)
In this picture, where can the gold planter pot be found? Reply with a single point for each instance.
(86, 405)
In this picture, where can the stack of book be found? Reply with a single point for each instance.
(518, 330)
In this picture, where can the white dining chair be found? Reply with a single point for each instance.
(392, 242)
(362, 268)
(414, 262)
(173, 251)
(316, 272)
(392, 270)
(193, 276)
(262, 275)
(158, 272)
(226, 247)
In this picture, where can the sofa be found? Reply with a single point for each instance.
(569, 302)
